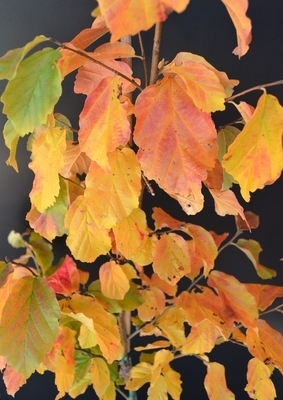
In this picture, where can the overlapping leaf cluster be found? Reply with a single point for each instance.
(88, 185)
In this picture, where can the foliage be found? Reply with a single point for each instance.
(89, 184)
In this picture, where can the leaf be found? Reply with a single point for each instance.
(225, 138)
(47, 161)
(11, 138)
(12, 380)
(264, 294)
(100, 376)
(114, 282)
(75, 160)
(104, 125)
(139, 375)
(31, 95)
(82, 378)
(251, 249)
(149, 14)
(105, 328)
(155, 345)
(259, 384)
(132, 238)
(16, 240)
(239, 303)
(266, 344)
(171, 324)
(87, 239)
(66, 279)
(171, 258)
(42, 251)
(153, 304)
(237, 11)
(178, 151)
(202, 338)
(201, 80)
(251, 218)
(50, 223)
(5, 270)
(215, 383)
(173, 382)
(164, 220)
(226, 202)
(10, 61)
(255, 158)
(29, 324)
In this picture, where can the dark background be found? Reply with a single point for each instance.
(205, 29)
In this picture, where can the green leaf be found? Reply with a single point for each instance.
(42, 250)
(31, 95)
(82, 377)
(225, 137)
(29, 324)
(10, 61)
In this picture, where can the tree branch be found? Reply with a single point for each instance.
(143, 60)
(258, 87)
(155, 53)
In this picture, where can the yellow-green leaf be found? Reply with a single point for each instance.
(11, 138)
(29, 324)
(31, 95)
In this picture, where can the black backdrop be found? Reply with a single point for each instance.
(204, 29)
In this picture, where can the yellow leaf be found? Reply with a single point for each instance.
(239, 303)
(173, 382)
(75, 160)
(255, 158)
(153, 305)
(237, 11)
(149, 13)
(171, 324)
(132, 238)
(11, 138)
(179, 150)
(226, 202)
(114, 282)
(47, 162)
(110, 393)
(104, 124)
(158, 389)
(171, 259)
(202, 338)
(100, 375)
(259, 385)
(139, 375)
(215, 383)
(155, 345)
(251, 249)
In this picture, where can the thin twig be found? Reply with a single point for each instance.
(193, 284)
(155, 53)
(143, 60)
(121, 393)
(88, 57)
(258, 87)
(271, 310)
(230, 241)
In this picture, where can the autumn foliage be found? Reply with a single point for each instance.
(89, 184)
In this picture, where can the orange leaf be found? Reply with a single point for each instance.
(251, 218)
(238, 302)
(255, 158)
(237, 11)
(164, 220)
(148, 14)
(178, 150)
(215, 177)
(171, 259)
(215, 383)
(75, 161)
(259, 385)
(66, 279)
(153, 305)
(219, 238)
(264, 294)
(114, 282)
(104, 125)
(47, 162)
(266, 344)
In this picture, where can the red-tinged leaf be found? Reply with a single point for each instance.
(12, 380)
(164, 220)
(114, 282)
(264, 294)
(255, 158)
(104, 125)
(219, 238)
(29, 324)
(204, 305)
(215, 383)
(237, 11)
(205, 248)
(171, 323)
(50, 223)
(105, 328)
(214, 178)
(171, 258)
(87, 239)
(47, 161)
(202, 338)
(226, 202)
(239, 304)
(178, 151)
(153, 305)
(70, 60)
(259, 384)
(251, 249)
(202, 81)
(66, 279)
(251, 218)
(117, 194)
(100, 376)
(245, 109)
(75, 161)
(90, 75)
(149, 13)
(266, 344)
(132, 238)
